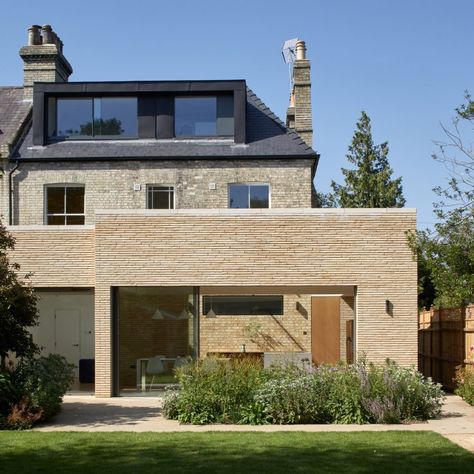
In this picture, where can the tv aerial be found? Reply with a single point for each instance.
(288, 52)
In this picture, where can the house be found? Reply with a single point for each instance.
(167, 219)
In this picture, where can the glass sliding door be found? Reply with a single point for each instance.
(157, 332)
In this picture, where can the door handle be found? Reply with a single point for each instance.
(75, 345)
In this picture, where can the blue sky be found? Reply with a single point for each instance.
(406, 63)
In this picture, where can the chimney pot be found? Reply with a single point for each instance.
(300, 50)
(45, 64)
(34, 36)
(47, 34)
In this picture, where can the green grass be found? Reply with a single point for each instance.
(363, 452)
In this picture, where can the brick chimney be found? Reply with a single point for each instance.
(299, 113)
(43, 59)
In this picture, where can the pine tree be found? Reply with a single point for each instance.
(370, 184)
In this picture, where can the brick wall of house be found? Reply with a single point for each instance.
(364, 248)
(328, 247)
(290, 332)
(110, 185)
(56, 256)
(347, 314)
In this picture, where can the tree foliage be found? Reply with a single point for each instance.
(370, 182)
(17, 306)
(446, 254)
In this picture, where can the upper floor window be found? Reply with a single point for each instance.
(160, 197)
(85, 117)
(199, 116)
(246, 196)
(64, 204)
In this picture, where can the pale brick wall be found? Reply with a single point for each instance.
(56, 256)
(327, 247)
(347, 313)
(290, 332)
(109, 185)
(302, 90)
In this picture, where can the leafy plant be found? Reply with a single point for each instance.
(17, 307)
(243, 392)
(465, 383)
(214, 390)
(44, 381)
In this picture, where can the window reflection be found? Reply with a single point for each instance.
(195, 116)
(88, 117)
(157, 331)
(245, 196)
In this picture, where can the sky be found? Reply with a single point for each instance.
(406, 63)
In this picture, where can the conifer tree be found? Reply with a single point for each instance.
(370, 182)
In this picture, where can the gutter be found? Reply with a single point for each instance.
(10, 192)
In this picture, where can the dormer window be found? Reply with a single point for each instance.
(198, 116)
(87, 117)
(160, 110)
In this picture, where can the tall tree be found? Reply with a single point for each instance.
(456, 152)
(17, 306)
(446, 253)
(370, 183)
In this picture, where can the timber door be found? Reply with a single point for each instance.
(325, 329)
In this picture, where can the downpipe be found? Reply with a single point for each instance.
(10, 192)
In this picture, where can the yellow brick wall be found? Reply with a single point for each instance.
(288, 247)
(56, 256)
(288, 333)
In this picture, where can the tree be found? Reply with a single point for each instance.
(370, 184)
(17, 306)
(457, 154)
(446, 262)
(446, 254)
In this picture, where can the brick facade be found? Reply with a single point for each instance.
(322, 248)
(110, 185)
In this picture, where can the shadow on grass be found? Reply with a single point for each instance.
(99, 414)
(363, 452)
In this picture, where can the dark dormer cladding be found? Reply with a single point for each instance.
(139, 110)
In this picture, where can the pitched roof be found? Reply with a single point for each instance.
(13, 113)
(267, 137)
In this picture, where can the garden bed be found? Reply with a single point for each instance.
(241, 391)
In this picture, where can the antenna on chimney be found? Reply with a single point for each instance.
(289, 55)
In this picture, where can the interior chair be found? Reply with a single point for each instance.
(179, 362)
(154, 368)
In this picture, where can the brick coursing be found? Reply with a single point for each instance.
(110, 185)
(361, 248)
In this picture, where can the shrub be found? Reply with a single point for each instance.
(242, 392)
(213, 391)
(465, 383)
(170, 408)
(22, 415)
(9, 392)
(44, 381)
(394, 394)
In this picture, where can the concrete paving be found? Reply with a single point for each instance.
(87, 413)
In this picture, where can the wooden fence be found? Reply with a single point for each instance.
(445, 340)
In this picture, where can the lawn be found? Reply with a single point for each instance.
(290, 452)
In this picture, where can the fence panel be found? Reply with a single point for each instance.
(445, 340)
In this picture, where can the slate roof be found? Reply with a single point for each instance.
(267, 137)
(13, 113)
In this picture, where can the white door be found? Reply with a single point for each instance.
(67, 338)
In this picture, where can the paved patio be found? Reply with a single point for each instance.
(87, 413)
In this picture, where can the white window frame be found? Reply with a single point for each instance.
(46, 214)
(172, 186)
(249, 185)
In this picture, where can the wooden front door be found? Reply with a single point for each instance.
(325, 329)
